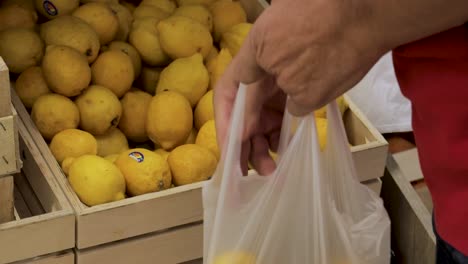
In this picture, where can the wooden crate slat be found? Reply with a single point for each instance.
(67, 257)
(7, 212)
(175, 246)
(9, 152)
(5, 108)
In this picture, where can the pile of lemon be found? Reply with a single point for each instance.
(122, 90)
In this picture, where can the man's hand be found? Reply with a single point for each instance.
(313, 51)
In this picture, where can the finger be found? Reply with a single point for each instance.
(273, 140)
(245, 153)
(260, 157)
(243, 69)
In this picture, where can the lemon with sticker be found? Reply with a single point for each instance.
(144, 171)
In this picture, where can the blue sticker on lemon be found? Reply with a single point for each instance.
(50, 8)
(138, 156)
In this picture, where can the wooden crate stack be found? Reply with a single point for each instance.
(9, 153)
(37, 224)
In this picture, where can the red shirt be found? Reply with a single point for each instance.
(433, 74)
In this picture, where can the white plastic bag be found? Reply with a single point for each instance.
(379, 97)
(311, 210)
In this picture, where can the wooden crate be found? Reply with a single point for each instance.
(44, 221)
(9, 151)
(413, 240)
(154, 212)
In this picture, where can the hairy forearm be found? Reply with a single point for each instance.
(397, 22)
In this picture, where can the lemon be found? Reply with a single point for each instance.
(192, 137)
(52, 113)
(145, 10)
(125, 18)
(163, 153)
(96, 180)
(207, 138)
(342, 105)
(234, 37)
(20, 48)
(114, 70)
(56, 8)
(218, 66)
(30, 85)
(65, 70)
(113, 142)
(144, 36)
(144, 171)
(135, 105)
(226, 13)
(235, 257)
(191, 163)
(188, 76)
(182, 37)
(72, 143)
(101, 18)
(322, 125)
(169, 120)
(149, 79)
(204, 110)
(66, 163)
(199, 13)
(17, 16)
(167, 6)
(131, 52)
(72, 32)
(100, 110)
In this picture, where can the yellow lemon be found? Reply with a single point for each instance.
(113, 69)
(322, 125)
(167, 6)
(235, 257)
(52, 113)
(65, 70)
(226, 13)
(30, 85)
(100, 110)
(113, 142)
(207, 138)
(144, 171)
(234, 37)
(196, 12)
(72, 143)
(191, 163)
(131, 52)
(218, 66)
(145, 37)
(342, 105)
(101, 18)
(204, 110)
(135, 105)
(96, 180)
(169, 120)
(188, 76)
(182, 37)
